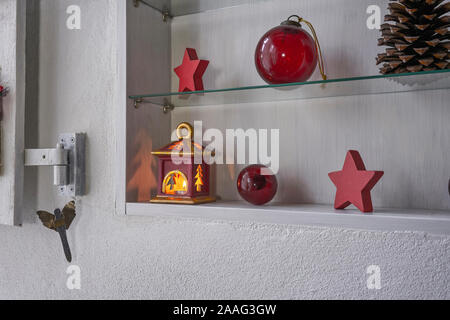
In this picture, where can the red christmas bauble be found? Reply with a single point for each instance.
(285, 54)
(256, 188)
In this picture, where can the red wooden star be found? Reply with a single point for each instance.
(354, 183)
(191, 71)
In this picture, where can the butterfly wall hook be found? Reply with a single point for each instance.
(60, 222)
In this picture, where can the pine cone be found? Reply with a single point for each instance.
(417, 37)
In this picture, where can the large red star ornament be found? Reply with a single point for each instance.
(191, 71)
(354, 183)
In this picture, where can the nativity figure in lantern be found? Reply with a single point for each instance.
(183, 175)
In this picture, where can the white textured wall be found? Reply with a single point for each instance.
(137, 257)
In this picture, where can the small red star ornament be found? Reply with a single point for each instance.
(354, 183)
(191, 71)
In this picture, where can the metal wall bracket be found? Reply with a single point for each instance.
(166, 106)
(137, 103)
(67, 160)
(165, 12)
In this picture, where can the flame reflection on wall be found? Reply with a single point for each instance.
(140, 176)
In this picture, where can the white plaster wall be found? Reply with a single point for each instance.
(138, 257)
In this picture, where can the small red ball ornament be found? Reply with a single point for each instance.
(255, 187)
(287, 53)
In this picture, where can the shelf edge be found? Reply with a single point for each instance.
(385, 220)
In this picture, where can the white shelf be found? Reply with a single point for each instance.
(429, 221)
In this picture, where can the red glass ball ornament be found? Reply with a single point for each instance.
(256, 188)
(286, 54)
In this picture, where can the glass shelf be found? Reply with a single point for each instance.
(176, 8)
(425, 80)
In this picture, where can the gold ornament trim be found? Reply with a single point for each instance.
(192, 201)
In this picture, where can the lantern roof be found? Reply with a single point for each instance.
(185, 146)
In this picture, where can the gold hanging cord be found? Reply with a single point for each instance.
(316, 42)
